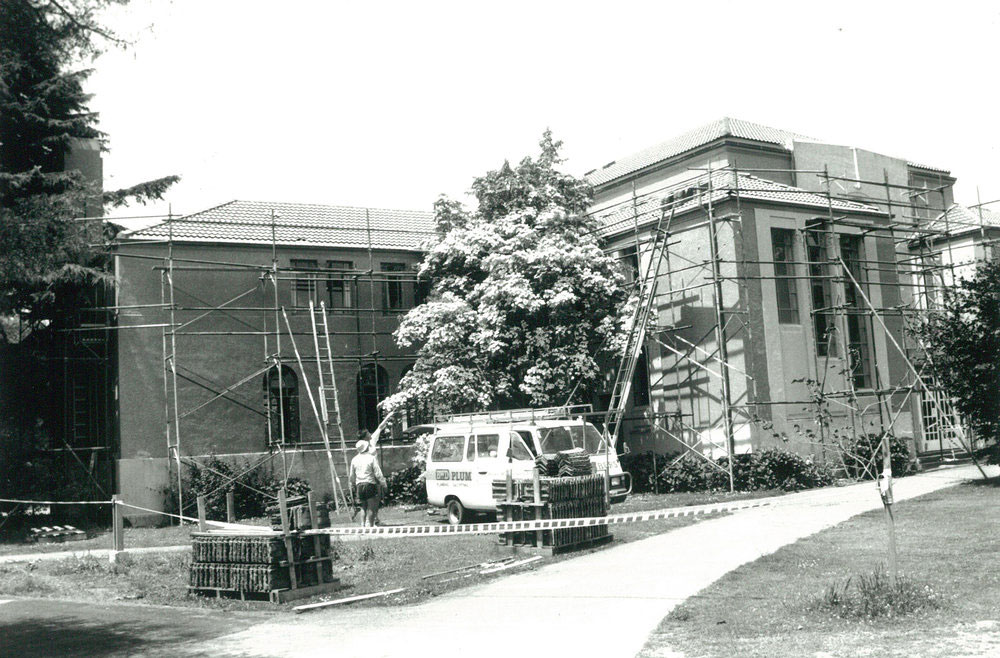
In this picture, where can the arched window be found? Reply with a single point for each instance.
(281, 398)
(373, 387)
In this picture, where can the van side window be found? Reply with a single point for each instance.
(487, 445)
(518, 449)
(448, 449)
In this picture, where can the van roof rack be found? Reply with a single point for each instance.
(520, 415)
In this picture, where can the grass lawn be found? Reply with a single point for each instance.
(948, 540)
(363, 566)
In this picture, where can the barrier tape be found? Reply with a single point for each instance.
(220, 524)
(56, 502)
(543, 524)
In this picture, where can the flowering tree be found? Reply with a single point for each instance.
(962, 338)
(523, 301)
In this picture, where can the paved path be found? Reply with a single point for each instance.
(602, 604)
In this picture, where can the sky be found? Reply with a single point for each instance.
(390, 104)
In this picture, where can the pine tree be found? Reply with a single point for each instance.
(45, 251)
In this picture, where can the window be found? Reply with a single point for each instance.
(448, 449)
(517, 448)
(819, 291)
(340, 288)
(782, 246)
(858, 349)
(487, 445)
(373, 387)
(281, 399)
(392, 292)
(630, 258)
(304, 286)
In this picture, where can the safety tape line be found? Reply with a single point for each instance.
(543, 524)
(56, 502)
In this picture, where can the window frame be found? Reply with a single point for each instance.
(786, 294)
(858, 350)
(461, 451)
(302, 273)
(348, 285)
(392, 286)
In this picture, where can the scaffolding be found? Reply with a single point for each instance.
(704, 323)
(706, 397)
(270, 308)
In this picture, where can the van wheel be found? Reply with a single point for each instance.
(456, 512)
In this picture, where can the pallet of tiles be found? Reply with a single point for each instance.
(280, 568)
(562, 498)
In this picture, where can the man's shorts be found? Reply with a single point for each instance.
(367, 490)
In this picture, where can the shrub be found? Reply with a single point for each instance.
(407, 486)
(863, 456)
(768, 469)
(780, 469)
(640, 465)
(252, 494)
(874, 597)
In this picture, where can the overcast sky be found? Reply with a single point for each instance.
(389, 104)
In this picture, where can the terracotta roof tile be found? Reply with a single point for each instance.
(725, 185)
(299, 224)
(700, 136)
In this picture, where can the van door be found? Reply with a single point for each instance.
(522, 459)
(446, 471)
(484, 453)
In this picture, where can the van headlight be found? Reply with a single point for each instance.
(616, 481)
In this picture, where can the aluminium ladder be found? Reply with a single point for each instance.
(329, 399)
(646, 293)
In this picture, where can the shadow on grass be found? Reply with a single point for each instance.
(44, 628)
(69, 636)
(993, 482)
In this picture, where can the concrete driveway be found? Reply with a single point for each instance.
(605, 603)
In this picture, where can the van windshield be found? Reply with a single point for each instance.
(568, 437)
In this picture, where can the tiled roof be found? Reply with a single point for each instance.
(700, 136)
(917, 165)
(959, 219)
(298, 224)
(725, 185)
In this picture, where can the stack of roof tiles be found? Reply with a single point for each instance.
(254, 564)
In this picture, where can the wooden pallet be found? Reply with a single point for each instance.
(274, 596)
(528, 549)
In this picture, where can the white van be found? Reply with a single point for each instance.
(468, 452)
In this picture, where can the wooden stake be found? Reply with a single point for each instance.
(317, 549)
(538, 507)
(202, 526)
(285, 531)
(117, 524)
(886, 491)
(230, 506)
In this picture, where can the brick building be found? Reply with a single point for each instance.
(203, 334)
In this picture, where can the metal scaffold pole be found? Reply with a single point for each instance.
(718, 301)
